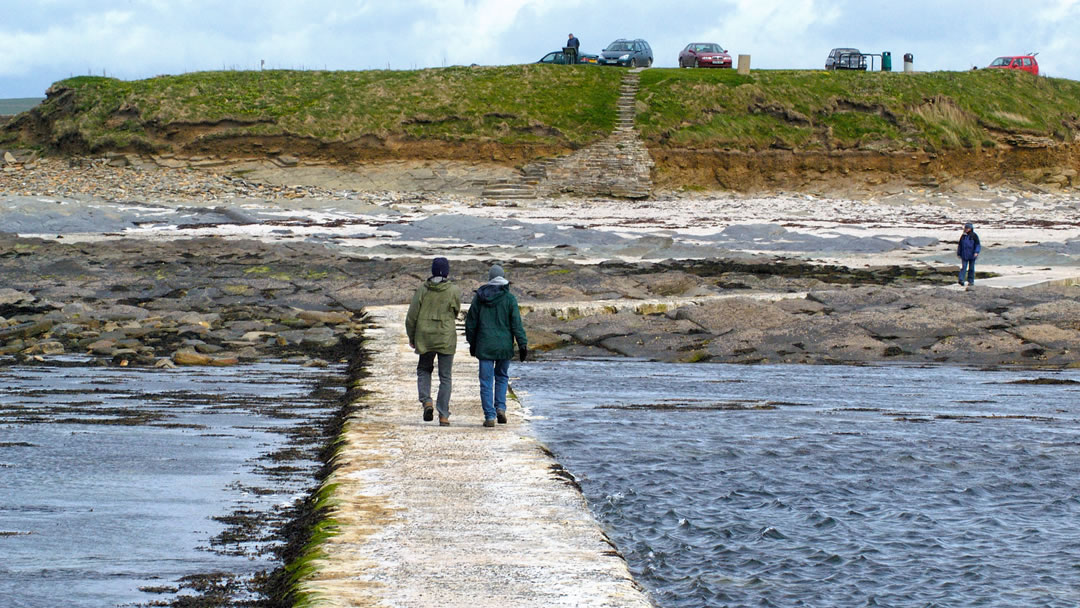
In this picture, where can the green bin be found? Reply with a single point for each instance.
(886, 61)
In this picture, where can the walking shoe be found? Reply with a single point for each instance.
(444, 421)
(500, 415)
(429, 412)
(961, 283)
(489, 422)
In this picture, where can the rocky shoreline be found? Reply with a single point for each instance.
(217, 301)
(247, 270)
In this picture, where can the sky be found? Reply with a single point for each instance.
(43, 41)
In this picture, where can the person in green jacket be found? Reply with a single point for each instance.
(492, 325)
(430, 325)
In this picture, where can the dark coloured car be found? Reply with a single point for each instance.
(628, 53)
(845, 59)
(560, 58)
(704, 55)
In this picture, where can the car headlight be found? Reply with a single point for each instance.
(626, 56)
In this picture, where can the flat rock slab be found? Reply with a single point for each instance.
(459, 516)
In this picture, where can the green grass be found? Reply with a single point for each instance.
(565, 105)
(812, 109)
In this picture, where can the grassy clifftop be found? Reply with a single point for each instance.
(703, 127)
(818, 110)
(512, 105)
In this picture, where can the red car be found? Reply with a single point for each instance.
(1018, 62)
(704, 55)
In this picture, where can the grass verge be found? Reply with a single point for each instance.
(889, 111)
(562, 105)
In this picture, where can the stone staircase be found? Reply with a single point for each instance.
(620, 166)
(509, 189)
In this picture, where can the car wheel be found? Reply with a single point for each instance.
(633, 62)
(649, 63)
(696, 64)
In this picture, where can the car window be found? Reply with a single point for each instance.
(1000, 61)
(549, 58)
(619, 46)
(1027, 62)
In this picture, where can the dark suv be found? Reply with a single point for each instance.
(630, 53)
(845, 59)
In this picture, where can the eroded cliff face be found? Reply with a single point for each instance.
(1006, 157)
(1053, 165)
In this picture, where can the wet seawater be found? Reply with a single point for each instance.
(824, 486)
(116, 484)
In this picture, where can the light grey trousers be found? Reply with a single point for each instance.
(423, 380)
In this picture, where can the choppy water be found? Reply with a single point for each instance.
(824, 486)
(109, 478)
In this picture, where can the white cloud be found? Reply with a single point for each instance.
(48, 40)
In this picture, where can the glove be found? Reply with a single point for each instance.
(523, 353)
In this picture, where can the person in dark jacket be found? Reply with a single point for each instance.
(492, 325)
(573, 43)
(431, 326)
(967, 250)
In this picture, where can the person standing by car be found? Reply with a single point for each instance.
(492, 325)
(573, 43)
(431, 327)
(968, 250)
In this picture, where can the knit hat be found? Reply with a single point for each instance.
(968, 225)
(496, 271)
(440, 267)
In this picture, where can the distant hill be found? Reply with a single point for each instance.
(10, 107)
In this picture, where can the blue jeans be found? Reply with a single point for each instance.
(969, 267)
(494, 378)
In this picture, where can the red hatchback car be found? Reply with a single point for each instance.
(1019, 62)
(704, 55)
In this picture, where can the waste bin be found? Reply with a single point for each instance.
(909, 61)
(886, 61)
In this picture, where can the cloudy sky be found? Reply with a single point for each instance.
(42, 41)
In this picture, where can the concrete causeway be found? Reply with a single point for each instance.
(455, 516)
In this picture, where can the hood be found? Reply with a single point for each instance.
(490, 293)
(440, 285)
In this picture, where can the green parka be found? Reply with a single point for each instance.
(432, 317)
(493, 323)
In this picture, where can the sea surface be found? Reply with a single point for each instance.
(117, 484)
(821, 485)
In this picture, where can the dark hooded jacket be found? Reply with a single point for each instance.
(969, 246)
(493, 323)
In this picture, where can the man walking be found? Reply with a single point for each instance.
(967, 250)
(430, 325)
(492, 325)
